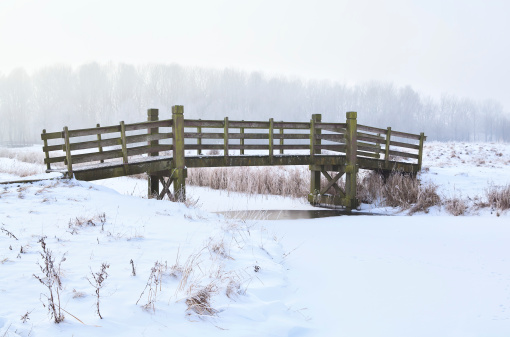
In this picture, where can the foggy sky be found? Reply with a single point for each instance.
(456, 47)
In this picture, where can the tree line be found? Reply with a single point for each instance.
(52, 97)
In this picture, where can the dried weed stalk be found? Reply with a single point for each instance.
(199, 301)
(97, 282)
(153, 282)
(51, 280)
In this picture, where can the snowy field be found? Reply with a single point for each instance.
(196, 273)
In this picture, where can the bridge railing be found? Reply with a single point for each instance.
(232, 137)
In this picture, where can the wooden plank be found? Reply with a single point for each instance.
(326, 126)
(375, 139)
(405, 135)
(148, 137)
(50, 148)
(340, 130)
(332, 137)
(368, 154)
(206, 135)
(94, 131)
(403, 154)
(93, 144)
(291, 136)
(406, 145)
(249, 125)
(149, 125)
(292, 147)
(250, 147)
(292, 125)
(52, 135)
(204, 146)
(52, 160)
(369, 148)
(148, 149)
(371, 129)
(248, 136)
(331, 147)
(193, 123)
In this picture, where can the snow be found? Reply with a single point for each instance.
(426, 275)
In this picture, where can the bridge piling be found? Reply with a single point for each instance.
(351, 166)
(179, 172)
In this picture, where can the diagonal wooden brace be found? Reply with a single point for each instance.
(332, 182)
(166, 188)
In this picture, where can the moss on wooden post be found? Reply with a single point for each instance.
(387, 149)
(179, 172)
(351, 167)
(68, 153)
(315, 174)
(152, 180)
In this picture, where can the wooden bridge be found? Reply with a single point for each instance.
(166, 148)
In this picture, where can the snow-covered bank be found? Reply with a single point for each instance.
(424, 275)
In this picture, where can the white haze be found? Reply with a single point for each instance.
(458, 47)
(93, 93)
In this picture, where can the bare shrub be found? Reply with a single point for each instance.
(400, 191)
(51, 280)
(455, 206)
(80, 222)
(97, 281)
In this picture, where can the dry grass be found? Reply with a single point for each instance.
(455, 206)
(199, 301)
(285, 181)
(498, 197)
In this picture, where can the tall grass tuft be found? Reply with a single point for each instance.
(499, 197)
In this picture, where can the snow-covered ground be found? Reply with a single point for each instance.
(426, 275)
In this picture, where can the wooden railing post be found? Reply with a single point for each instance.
(46, 152)
(351, 167)
(68, 153)
(179, 172)
(420, 151)
(199, 140)
(99, 147)
(225, 138)
(281, 140)
(315, 175)
(387, 149)
(271, 139)
(152, 180)
(241, 142)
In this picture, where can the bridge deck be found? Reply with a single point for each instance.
(164, 164)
